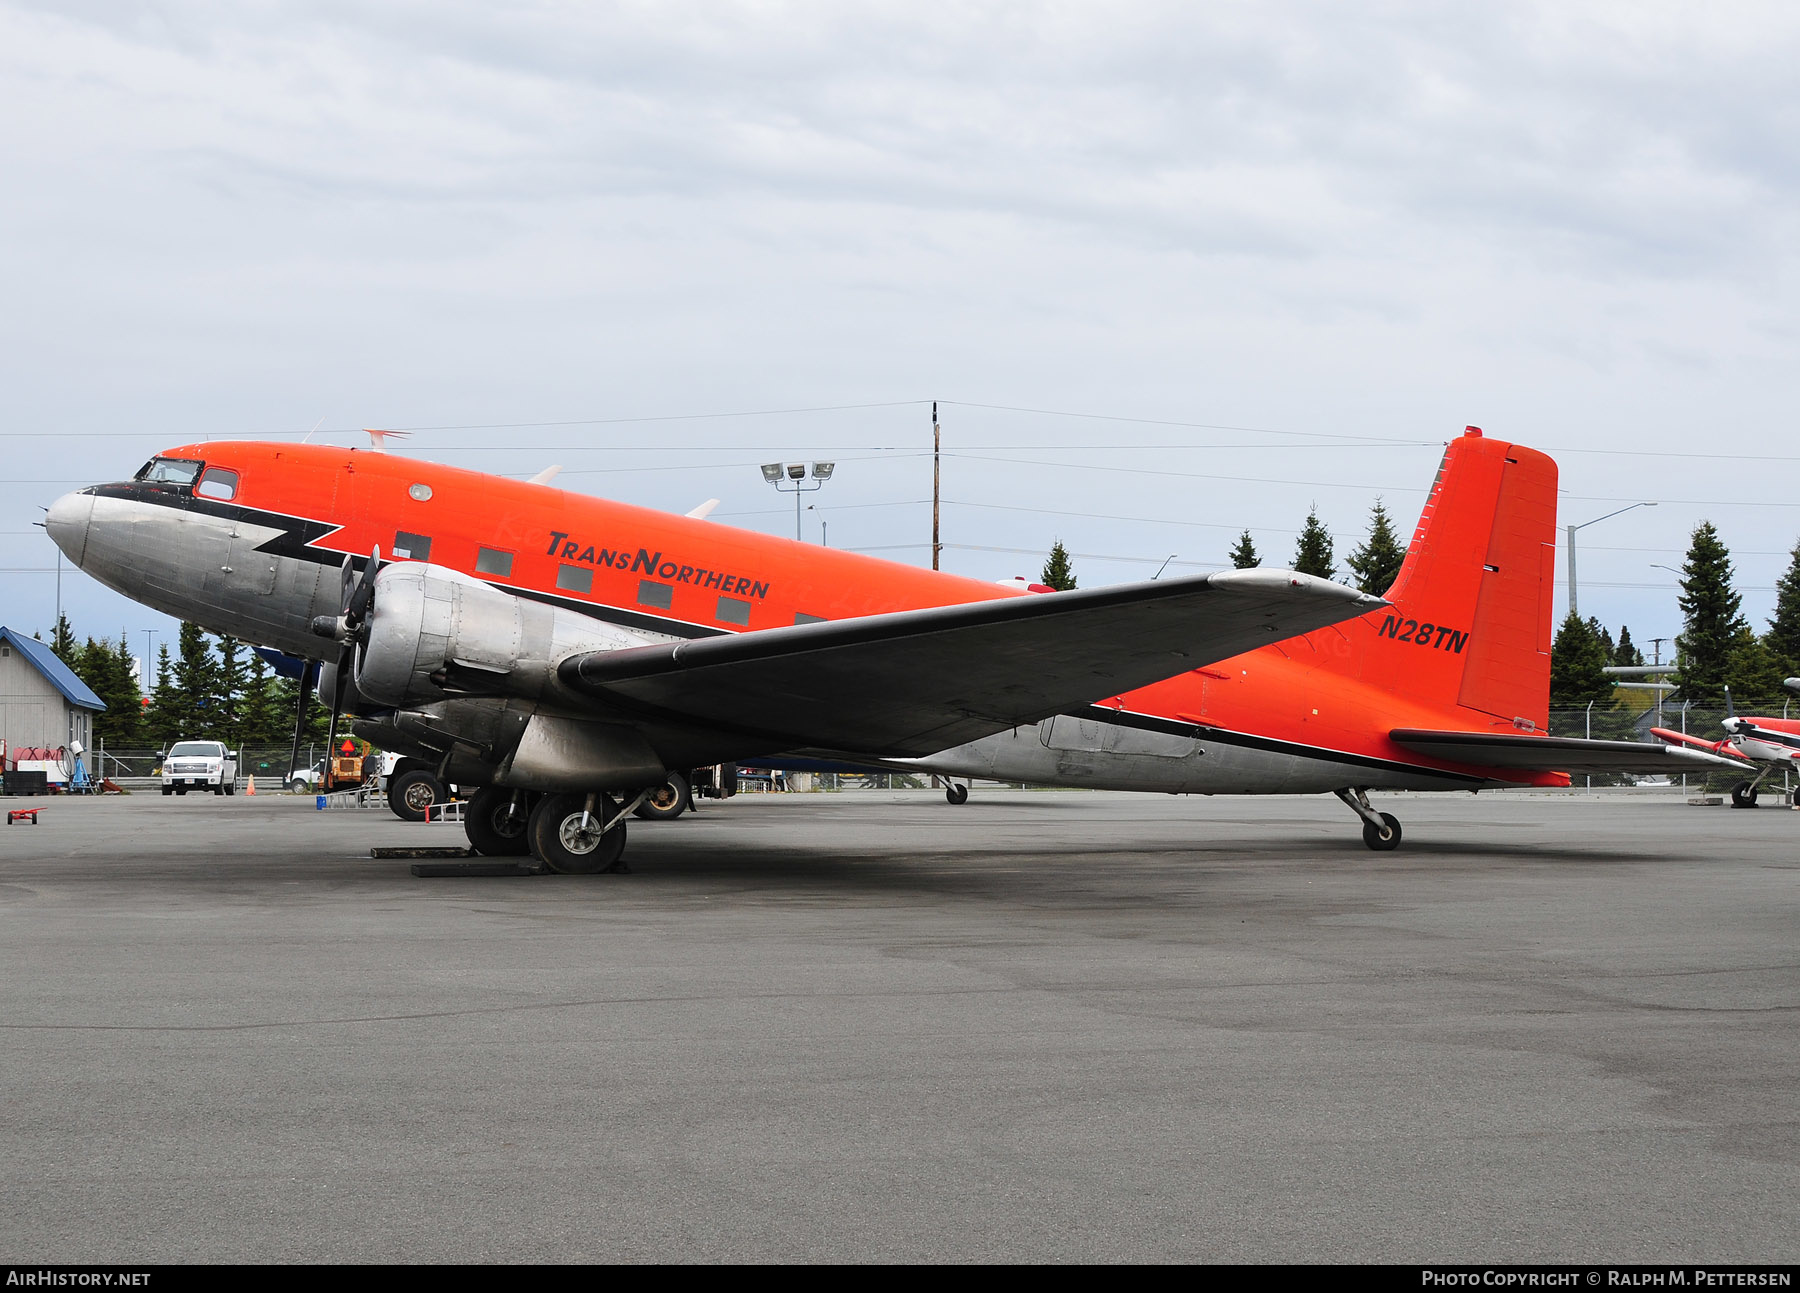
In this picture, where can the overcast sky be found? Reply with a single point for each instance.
(1301, 246)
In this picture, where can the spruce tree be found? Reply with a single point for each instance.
(1376, 564)
(1626, 653)
(63, 643)
(1312, 555)
(261, 719)
(1578, 663)
(164, 719)
(106, 668)
(196, 685)
(1711, 609)
(1752, 670)
(1058, 573)
(1244, 555)
(232, 676)
(1605, 636)
(1784, 628)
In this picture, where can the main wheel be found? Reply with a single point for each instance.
(413, 792)
(667, 802)
(1379, 842)
(1743, 795)
(497, 821)
(569, 841)
(956, 794)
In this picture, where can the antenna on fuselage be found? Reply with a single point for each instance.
(378, 438)
(309, 434)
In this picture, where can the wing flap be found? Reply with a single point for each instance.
(1522, 752)
(915, 682)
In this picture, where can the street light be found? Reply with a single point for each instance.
(1574, 608)
(781, 474)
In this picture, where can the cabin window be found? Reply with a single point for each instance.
(575, 579)
(492, 561)
(414, 547)
(651, 593)
(733, 610)
(419, 493)
(218, 483)
(801, 617)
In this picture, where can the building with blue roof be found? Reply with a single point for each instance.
(42, 703)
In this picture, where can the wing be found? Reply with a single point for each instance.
(916, 682)
(1522, 752)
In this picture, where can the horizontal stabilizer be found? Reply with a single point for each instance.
(915, 682)
(1521, 752)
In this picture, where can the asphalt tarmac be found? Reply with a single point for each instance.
(870, 1026)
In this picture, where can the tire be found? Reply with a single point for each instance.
(181, 790)
(667, 802)
(1373, 837)
(297, 786)
(956, 794)
(1743, 795)
(168, 790)
(412, 792)
(231, 787)
(557, 838)
(493, 826)
(728, 780)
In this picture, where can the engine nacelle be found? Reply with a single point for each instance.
(436, 633)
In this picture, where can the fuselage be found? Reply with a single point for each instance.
(248, 539)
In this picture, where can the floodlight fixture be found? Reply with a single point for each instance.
(822, 470)
(796, 471)
(771, 472)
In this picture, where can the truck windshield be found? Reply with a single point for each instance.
(170, 471)
(196, 750)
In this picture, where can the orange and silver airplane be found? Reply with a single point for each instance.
(564, 652)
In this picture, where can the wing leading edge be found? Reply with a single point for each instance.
(1526, 753)
(915, 682)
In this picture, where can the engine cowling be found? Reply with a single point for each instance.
(435, 633)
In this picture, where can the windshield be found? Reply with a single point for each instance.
(171, 471)
(196, 749)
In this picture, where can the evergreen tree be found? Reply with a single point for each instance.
(164, 720)
(1711, 608)
(1243, 554)
(232, 676)
(106, 668)
(1626, 653)
(261, 718)
(1376, 564)
(1578, 662)
(1058, 573)
(62, 642)
(195, 681)
(1784, 629)
(1752, 670)
(1605, 636)
(1312, 555)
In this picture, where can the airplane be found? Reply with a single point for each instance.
(563, 652)
(1772, 742)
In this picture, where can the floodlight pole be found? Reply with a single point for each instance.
(790, 478)
(1574, 608)
(937, 444)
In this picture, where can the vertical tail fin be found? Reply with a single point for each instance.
(1471, 620)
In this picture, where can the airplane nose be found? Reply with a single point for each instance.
(68, 524)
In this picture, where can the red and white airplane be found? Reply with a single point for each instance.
(1772, 743)
(565, 652)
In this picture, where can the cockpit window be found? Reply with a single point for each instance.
(218, 483)
(170, 471)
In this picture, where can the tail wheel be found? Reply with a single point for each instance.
(667, 802)
(497, 822)
(956, 794)
(1377, 840)
(566, 834)
(413, 792)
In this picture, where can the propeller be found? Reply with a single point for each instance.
(350, 627)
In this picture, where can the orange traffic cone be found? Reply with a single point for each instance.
(251, 789)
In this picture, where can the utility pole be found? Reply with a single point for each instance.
(937, 443)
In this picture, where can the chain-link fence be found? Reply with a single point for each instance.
(139, 767)
(1701, 720)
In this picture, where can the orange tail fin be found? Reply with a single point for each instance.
(1472, 603)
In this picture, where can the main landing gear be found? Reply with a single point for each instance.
(1381, 831)
(1743, 795)
(571, 834)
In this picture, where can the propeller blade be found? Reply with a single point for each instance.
(358, 606)
(346, 578)
(1729, 711)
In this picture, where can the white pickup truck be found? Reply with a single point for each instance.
(199, 765)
